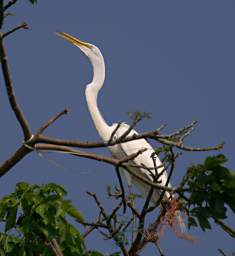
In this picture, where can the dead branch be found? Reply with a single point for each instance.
(24, 25)
(11, 94)
(106, 217)
(51, 121)
(122, 188)
(154, 135)
(225, 227)
(9, 4)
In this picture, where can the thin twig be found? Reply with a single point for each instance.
(225, 227)
(159, 249)
(113, 132)
(134, 211)
(128, 224)
(102, 211)
(122, 188)
(24, 25)
(184, 130)
(115, 210)
(95, 226)
(1, 14)
(181, 146)
(51, 121)
(222, 252)
(112, 232)
(130, 128)
(131, 156)
(9, 4)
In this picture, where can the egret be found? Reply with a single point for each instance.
(116, 130)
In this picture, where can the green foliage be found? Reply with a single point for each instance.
(35, 215)
(33, 1)
(211, 189)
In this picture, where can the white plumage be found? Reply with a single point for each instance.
(106, 131)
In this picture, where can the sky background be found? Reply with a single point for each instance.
(173, 59)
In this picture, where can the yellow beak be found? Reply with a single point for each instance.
(73, 40)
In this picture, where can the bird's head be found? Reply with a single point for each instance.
(90, 50)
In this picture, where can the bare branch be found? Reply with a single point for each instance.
(11, 95)
(1, 14)
(52, 120)
(113, 132)
(226, 228)
(20, 153)
(184, 131)
(110, 228)
(122, 188)
(154, 135)
(105, 159)
(93, 226)
(222, 252)
(159, 249)
(131, 157)
(134, 211)
(181, 146)
(9, 4)
(131, 127)
(24, 25)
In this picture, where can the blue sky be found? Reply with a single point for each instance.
(174, 59)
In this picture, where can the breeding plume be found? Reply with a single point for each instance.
(107, 131)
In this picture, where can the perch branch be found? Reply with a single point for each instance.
(10, 93)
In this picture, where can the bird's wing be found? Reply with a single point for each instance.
(144, 159)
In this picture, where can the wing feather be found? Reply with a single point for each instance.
(144, 159)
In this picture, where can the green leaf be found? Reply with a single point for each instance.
(192, 222)
(213, 161)
(203, 221)
(115, 254)
(33, 1)
(52, 187)
(3, 210)
(72, 211)
(216, 186)
(95, 253)
(220, 210)
(22, 187)
(11, 218)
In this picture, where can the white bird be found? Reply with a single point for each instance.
(106, 131)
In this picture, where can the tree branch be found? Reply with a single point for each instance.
(226, 228)
(20, 153)
(164, 139)
(9, 4)
(122, 188)
(23, 25)
(51, 121)
(11, 95)
(105, 159)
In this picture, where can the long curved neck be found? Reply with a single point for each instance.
(92, 90)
